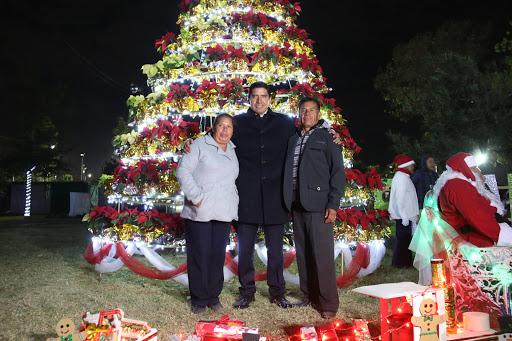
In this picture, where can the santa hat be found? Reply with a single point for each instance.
(462, 162)
(402, 161)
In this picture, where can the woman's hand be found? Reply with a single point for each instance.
(186, 147)
(189, 202)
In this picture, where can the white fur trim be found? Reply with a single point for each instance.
(505, 238)
(470, 161)
(403, 165)
(450, 174)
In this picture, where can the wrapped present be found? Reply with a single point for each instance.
(307, 333)
(223, 329)
(102, 326)
(149, 335)
(134, 330)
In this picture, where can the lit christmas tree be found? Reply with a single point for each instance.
(223, 46)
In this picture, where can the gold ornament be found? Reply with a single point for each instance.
(238, 65)
(360, 193)
(272, 36)
(344, 231)
(348, 154)
(265, 65)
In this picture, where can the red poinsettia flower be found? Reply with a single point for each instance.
(374, 180)
(206, 85)
(179, 91)
(216, 53)
(161, 43)
(185, 5)
(355, 175)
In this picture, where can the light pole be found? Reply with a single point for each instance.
(82, 170)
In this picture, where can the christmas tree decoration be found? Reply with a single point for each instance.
(112, 325)
(222, 47)
(66, 330)
(225, 329)
(408, 311)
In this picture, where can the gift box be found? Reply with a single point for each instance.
(397, 299)
(135, 330)
(224, 328)
(102, 326)
(307, 333)
(429, 318)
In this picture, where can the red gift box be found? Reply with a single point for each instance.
(223, 329)
(104, 325)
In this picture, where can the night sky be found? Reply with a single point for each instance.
(75, 60)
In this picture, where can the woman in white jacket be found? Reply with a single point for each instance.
(207, 177)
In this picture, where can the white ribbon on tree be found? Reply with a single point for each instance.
(377, 250)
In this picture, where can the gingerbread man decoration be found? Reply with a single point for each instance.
(428, 321)
(66, 331)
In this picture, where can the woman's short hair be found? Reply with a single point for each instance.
(218, 118)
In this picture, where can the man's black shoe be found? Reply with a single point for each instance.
(304, 303)
(243, 302)
(328, 315)
(281, 302)
(197, 309)
(216, 307)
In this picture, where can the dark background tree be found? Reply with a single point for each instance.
(39, 145)
(451, 91)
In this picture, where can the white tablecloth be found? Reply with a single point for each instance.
(79, 203)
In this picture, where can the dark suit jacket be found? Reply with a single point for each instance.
(261, 151)
(321, 175)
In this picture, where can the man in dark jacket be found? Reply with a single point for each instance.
(424, 178)
(313, 185)
(261, 137)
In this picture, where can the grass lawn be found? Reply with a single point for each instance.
(45, 278)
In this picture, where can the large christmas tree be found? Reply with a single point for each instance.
(223, 46)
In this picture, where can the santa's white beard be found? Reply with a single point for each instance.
(480, 187)
(450, 174)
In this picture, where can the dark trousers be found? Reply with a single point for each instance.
(274, 242)
(402, 256)
(206, 251)
(314, 243)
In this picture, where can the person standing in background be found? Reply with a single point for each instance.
(424, 178)
(403, 208)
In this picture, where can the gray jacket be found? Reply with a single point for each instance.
(321, 176)
(207, 174)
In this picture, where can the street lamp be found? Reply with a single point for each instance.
(82, 170)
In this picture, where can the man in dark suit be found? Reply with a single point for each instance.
(261, 138)
(313, 185)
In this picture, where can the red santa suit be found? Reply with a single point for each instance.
(468, 206)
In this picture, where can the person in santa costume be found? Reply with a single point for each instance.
(461, 213)
(403, 208)
(468, 206)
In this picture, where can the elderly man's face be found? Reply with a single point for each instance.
(260, 100)
(309, 115)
